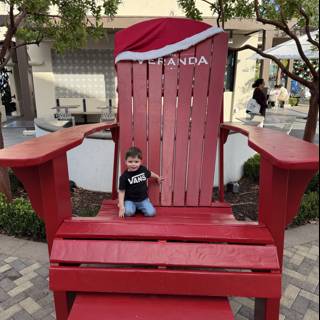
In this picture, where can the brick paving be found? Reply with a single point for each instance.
(24, 290)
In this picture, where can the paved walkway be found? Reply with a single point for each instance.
(290, 119)
(14, 136)
(24, 293)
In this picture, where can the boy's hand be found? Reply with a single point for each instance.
(156, 177)
(160, 179)
(121, 211)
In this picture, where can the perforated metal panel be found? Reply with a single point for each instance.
(84, 74)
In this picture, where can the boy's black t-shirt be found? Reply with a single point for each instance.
(134, 183)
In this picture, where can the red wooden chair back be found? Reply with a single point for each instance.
(171, 109)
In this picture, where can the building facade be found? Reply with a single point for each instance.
(86, 77)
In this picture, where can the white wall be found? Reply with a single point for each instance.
(227, 105)
(236, 153)
(91, 164)
(147, 8)
(245, 71)
(43, 79)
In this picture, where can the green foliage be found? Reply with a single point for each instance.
(69, 23)
(88, 212)
(301, 69)
(14, 182)
(314, 184)
(294, 101)
(189, 6)
(309, 209)
(18, 219)
(251, 168)
(277, 10)
(111, 7)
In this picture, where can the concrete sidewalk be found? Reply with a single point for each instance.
(24, 292)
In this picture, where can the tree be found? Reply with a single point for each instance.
(69, 23)
(279, 14)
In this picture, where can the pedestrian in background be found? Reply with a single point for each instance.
(260, 96)
(283, 96)
(273, 97)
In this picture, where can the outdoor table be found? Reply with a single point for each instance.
(66, 115)
(107, 113)
(66, 108)
(86, 114)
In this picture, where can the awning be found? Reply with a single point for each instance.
(288, 50)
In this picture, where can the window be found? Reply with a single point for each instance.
(230, 71)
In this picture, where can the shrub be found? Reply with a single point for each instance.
(251, 168)
(294, 101)
(309, 209)
(314, 184)
(87, 212)
(15, 183)
(18, 219)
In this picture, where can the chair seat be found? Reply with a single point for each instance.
(182, 251)
(216, 224)
(199, 215)
(141, 307)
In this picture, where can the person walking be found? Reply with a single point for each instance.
(260, 96)
(283, 96)
(273, 97)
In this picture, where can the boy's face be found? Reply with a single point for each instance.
(133, 163)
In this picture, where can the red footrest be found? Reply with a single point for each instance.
(143, 307)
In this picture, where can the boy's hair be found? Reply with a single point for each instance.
(134, 152)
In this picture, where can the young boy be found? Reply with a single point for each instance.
(133, 190)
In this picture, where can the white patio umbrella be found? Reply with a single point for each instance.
(288, 50)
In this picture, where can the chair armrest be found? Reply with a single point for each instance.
(40, 150)
(280, 150)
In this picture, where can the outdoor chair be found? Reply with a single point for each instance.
(188, 260)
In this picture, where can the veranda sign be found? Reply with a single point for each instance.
(182, 61)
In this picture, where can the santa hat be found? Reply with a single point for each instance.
(157, 38)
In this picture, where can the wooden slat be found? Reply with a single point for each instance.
(182, 131)
(111, 307)
(165, 254)
(125, 107)
(169, 115)
(113, 230)
(154, 123)
(189, 222)
(174, 215)
(223, 206)
(179, 212)
(200, 92)
(220, 48)
(260, 285)
(140, 107)
(214, 212)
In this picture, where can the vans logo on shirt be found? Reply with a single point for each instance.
(137, 179)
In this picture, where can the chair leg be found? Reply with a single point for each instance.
(267, 309)
(61, 305)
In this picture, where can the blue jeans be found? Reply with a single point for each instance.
(145, 206)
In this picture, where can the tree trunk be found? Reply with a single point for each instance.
(311, 126)
(4, 176)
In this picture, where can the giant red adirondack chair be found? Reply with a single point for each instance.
(185, 262)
